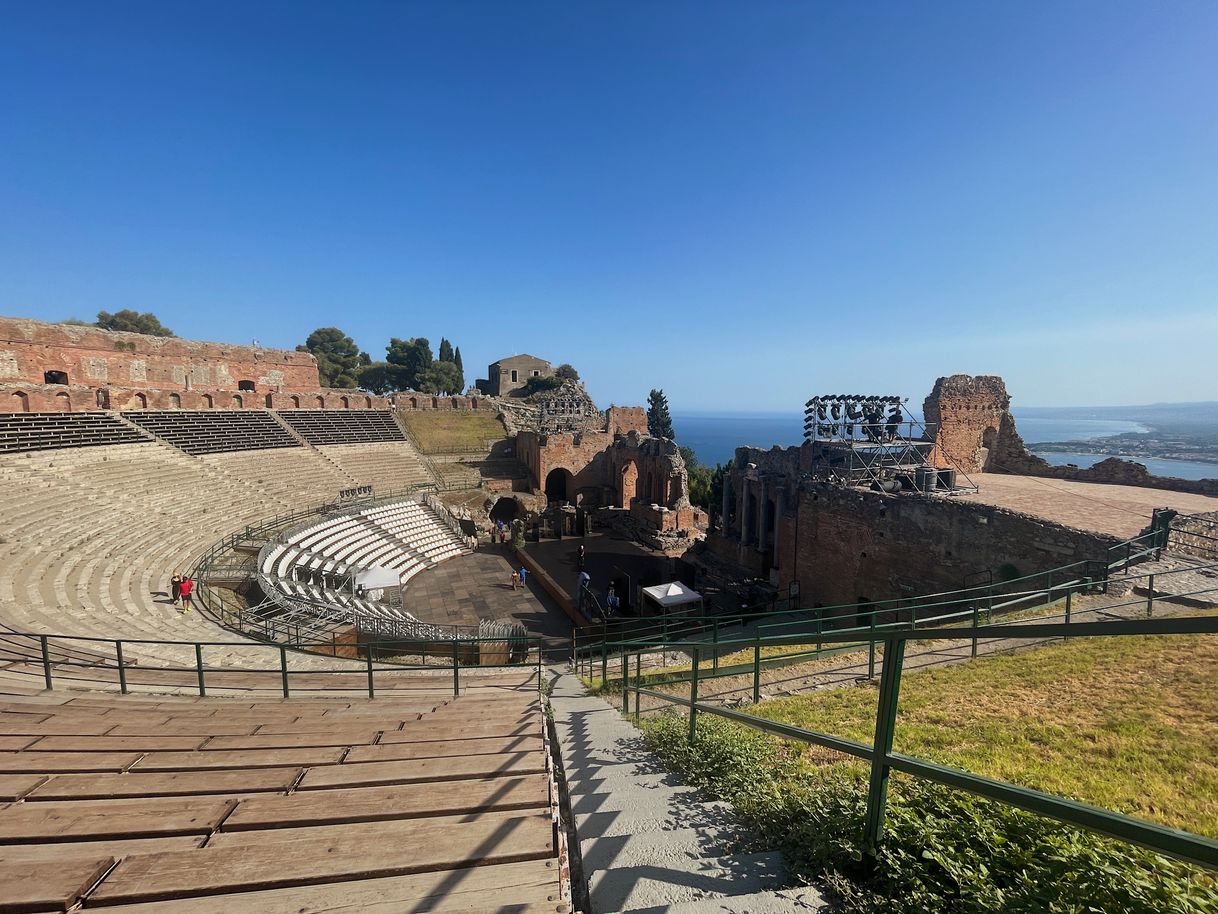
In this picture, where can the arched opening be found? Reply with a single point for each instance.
(295, 402)
(208, 401)
(473, 404)
(321, 402)
(141, 401)
(414, 402)
(54, 377)
(21, 402)
(456, 403)
(63, 403)
(344, 402)
(175, 402)
(505, 509)
(989, 438)
(246, 385)
(767, 520)
(270, 401)
(367, 403)
(103, 398)
(238, 403)
(628, 488)
(559, 485)
(435, 403)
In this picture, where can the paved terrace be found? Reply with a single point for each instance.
(1121, 511)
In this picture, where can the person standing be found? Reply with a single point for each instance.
(515, 578)
(524, 576)
(175, 588)
(580, 557)
(186, 588)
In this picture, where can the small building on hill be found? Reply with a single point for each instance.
(506, 376)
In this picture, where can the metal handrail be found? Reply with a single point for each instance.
(1172, 842)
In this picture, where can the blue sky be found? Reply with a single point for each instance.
(743, 204)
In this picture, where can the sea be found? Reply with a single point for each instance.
(715, 437)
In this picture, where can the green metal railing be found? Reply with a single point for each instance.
(883, 760)
(109, 657)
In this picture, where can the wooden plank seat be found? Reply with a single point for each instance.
(442, 748)
(51, 762)
(48, 885)
(280, 858)
(139, 818)
(424, 771)
(107, 847)
(529, 887)
(161, 784)
(236, 758)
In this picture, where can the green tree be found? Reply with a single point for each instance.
(567, 372)
(338, 358)
(659, 422)
(538, 385)
(377, 378)
(700, 478)
(440, 378)
(132, 322)
(446, 350)
(460, 367)
(410, 360)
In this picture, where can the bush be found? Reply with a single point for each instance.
(944, 851)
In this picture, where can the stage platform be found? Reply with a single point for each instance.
(1121, 511)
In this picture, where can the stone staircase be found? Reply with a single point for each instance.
(647, 842)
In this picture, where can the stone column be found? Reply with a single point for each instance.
(763, 486)
(747, 535)
(780, 505)
(742, 501)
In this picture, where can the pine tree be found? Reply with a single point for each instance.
(446, 350)
(460, 368)
(659, 422)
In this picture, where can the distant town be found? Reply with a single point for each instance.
(1183, 431)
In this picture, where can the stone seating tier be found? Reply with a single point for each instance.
(214, 431)
(328, 426)
(52, 431)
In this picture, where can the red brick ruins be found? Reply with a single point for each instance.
(846, 544)
(70, 368)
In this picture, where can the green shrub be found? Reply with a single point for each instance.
(944, 851)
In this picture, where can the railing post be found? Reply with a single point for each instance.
(871, 649)
(885, 726)
(199, 667)
(625, 683)
(820, 621)
(975, 620)
(757, 672)
(1069, 605)
(1150, 596)
(371, 687)
(122, 667)
(46, 661)
(715, 653)
(1128, 550)
(456, 671)
(283, 668)
(604, 663)
(693, 697)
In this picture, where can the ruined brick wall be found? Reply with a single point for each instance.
(1196, 535)
(39, 398)
(852, 544)
(964, 415)
(96, 358)
(622, 420)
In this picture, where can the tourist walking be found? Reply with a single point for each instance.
(175, 588)
(515, 578)
(524, 575)
(611, 603)
(186, 589)
(580, 557)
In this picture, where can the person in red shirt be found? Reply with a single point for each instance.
(187, 588)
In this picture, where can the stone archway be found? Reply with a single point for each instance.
(505, 509)
(986, 456)
(63, 402)
(560, 486)
(21, 402)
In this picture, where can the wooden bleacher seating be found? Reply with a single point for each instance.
(331, 426)
(51, 431)
(212, 431)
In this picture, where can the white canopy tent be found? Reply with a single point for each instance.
(376, 579)
(673, 595)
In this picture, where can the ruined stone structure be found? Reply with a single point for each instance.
(69, 368)
(846, 544)
(505, 377)
(639, 483)
(567, 409)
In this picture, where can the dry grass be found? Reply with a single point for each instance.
(453, 431)
(1126, 723)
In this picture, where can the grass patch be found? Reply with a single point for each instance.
(1123, 723)
(453, 431)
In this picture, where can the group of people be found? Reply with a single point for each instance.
(181, 589)
(500, 532)
(520, 578)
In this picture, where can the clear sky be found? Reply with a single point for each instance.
(741, 203)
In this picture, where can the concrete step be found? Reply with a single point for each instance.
(677, 880)
(784, 901)
(654, 847)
